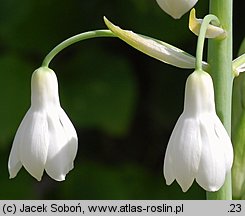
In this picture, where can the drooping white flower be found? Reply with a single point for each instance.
(46, 139)
(176, 8)
(199, 147)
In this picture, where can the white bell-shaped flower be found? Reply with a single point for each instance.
(46, 138)
(199, 147)
(176, 8)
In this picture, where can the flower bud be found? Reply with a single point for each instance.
(176, 8)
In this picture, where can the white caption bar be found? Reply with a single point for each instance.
(121, 208)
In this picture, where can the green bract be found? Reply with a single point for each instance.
(238, 127)
(239, 65)
(155, 48)
(212, 30)
(238, 170)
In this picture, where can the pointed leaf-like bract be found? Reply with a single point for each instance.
(155, 48)
(212, 30)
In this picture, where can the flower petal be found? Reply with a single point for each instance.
(67, 126)
(183, 153)
(212, 167)
(63, 145)
(14, 163)
(176, 8)
(44, 88)
(225, 141)
(33, 145)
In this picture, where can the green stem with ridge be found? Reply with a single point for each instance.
(74, 39)
(220, 61)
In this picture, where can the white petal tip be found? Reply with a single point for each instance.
(168, 183)
(212, 188)
(38, 178)
(176, 16)
(12, 176)
(185, 184)
(176, 9)
(60, 178)
(169, 179)
(185, 187)
(37, 174)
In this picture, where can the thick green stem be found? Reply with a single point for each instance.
(220, 60)
(74, 39)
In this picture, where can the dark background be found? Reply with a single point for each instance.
(123, 103)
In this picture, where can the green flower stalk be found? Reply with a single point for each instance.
(75, 39)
